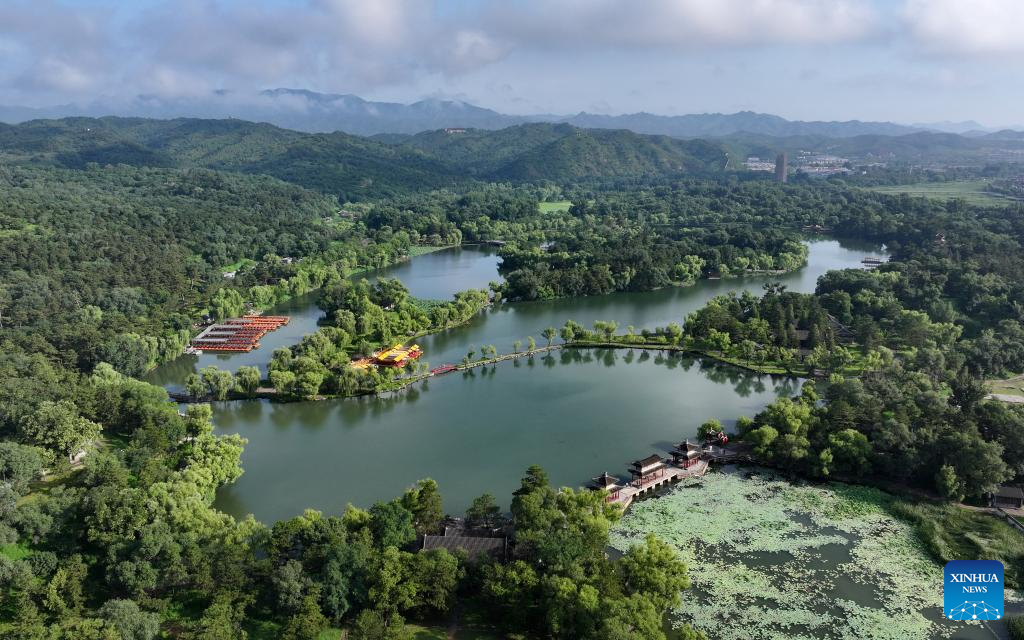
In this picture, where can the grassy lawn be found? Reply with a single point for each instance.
(16, 551)
(1012, 386)
(973, 191)
(440, 633)
(551, 207)
(419, 250)
(235, 266)
(953, 533)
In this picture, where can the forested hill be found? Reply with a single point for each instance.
(920, 147)
(563, 152)
(353, 167)
(343, 165)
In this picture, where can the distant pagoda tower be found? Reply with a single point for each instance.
(781, 168)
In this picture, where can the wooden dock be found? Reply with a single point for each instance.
(655, 472)
(669, 474)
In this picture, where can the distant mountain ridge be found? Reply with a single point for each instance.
(314, 112)
(353, 167)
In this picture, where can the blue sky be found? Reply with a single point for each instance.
(900, 60)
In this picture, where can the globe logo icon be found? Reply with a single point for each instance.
(973, 590)
(973, 610)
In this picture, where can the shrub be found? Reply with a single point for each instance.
(1016, 626)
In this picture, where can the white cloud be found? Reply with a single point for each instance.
(683, 23)
(49, 49)
(58, 50)
(976, 27)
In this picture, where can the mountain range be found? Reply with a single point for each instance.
(355, 167)
(313, 112)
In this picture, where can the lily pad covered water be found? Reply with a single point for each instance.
(770, 559)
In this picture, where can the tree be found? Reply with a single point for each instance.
(64, 593)
(130, 622)
(1016, 626)
(391, 524)
(424, 501)
(217, 382)
(655, 571)
(719, 340)
(307, 384)
(632, 618)
(851, 449)
(19, 465)
(531, 344)
(674, 332)
(605, 328)
(391, 588)
(709, 429)
(483, 513)
(437, 574)
(223, 619)
(58, 427)
(283, 381)
(375, 625)
(947, 484)
(307, 623)
(194, 386)
(292, 585)
(762, 438)
(748, 348)
(516, 346)
(198, 419)
(129, 353)
(549, 334)
(571, 331)
(345, 576)
(247, 379)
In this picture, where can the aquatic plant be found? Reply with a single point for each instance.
(771, 559)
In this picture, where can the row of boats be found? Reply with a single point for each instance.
(236, 334)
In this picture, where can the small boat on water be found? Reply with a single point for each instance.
(193, 351)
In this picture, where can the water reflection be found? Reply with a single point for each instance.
(576, 412)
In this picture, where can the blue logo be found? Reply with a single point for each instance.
(974, 590)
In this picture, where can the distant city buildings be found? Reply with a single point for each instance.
(753, 163)
(811, 163)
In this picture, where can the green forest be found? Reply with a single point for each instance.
(116, 240)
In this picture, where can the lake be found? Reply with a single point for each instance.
(576, 412)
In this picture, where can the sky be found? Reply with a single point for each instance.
(908, 61)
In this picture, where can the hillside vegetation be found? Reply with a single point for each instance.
(559, 152)
(354, 168)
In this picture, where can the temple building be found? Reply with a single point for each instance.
(647, 469)
(609, 483)
(686, 454)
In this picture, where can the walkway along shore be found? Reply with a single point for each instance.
(403, 383)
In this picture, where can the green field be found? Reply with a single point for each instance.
(235, 266)
(421, 250)
(972, 191)
(551, 207)
(1012, 386)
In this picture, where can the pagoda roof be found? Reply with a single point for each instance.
(605, 480)
(649, 461)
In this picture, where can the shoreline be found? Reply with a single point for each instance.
(265, 393)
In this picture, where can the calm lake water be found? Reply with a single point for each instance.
(576, 413)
